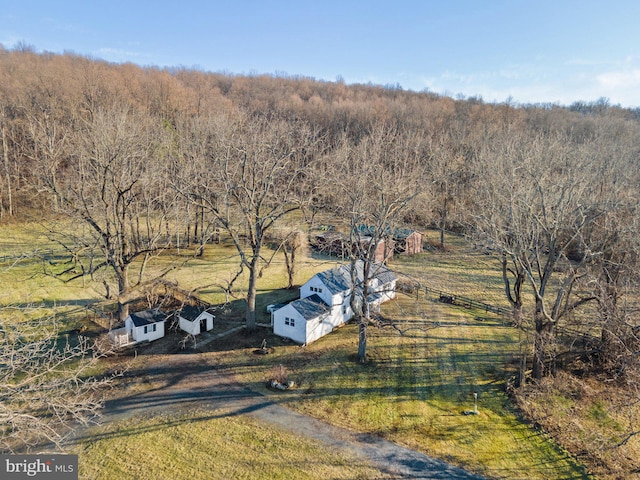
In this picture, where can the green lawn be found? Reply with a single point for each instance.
(416, 388)
(210, 445)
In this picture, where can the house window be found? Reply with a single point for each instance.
(148, 328)
(316, 289)
(290, 321)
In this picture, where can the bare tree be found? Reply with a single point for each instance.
(376, 180)
(6, 201)
(112, 182)
(293, 243)
(247, 173)
(536, 212)
(449, 171)
(46, 388)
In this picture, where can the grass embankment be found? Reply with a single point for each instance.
(210, 445)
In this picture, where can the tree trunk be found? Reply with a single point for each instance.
(251, 294)
(538, 357)
(201, 239)
(289, 266)
(443, 222)
(362, 340)
(541, 343)
(513, 292)
(123, 293)
(5, 156)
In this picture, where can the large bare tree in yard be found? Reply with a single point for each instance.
(536, 211)
(376, 180)
(293, 243)
(246, 172)
(110, 184)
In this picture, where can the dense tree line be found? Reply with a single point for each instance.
(146, 158)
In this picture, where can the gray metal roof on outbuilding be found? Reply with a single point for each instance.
(191, 313)
(147, 317)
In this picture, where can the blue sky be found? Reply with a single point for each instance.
(556, 51)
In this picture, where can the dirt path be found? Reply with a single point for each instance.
(185, 382)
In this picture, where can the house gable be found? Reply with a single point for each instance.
(289, 323)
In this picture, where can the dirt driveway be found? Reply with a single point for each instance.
(186, 381)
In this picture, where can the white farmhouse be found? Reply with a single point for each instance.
(147, 325)
(325, 299)
(195, 320)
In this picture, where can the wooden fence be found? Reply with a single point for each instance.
(461, 300)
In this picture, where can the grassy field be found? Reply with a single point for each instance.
(416, 389)
(210, 445)
(28, 291)
(419, 381)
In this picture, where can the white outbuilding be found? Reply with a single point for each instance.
(147, 325)
(195, 320)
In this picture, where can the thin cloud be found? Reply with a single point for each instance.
(620, 79)
(116, 54)
(544, 83)
(624, 74)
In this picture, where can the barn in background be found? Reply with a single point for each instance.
(407, 241)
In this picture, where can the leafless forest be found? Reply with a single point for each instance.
(142, 155)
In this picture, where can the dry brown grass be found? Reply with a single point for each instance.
(211, 445)
(591, 418)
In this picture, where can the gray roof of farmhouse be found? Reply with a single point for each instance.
(310, 307)
(147, 317)
(339, 279)
(191, 313)
(383, 274)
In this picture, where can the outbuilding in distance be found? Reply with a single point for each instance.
(147, 325)
(195, 320)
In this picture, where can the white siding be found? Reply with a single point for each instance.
(193, 328)
(148, 332)
(315, 329)
(307, 331)
(315, 287)
(282, 327)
